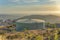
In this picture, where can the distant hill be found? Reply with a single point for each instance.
(10, 16)
(47, 18)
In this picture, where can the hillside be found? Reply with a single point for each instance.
(47, 18)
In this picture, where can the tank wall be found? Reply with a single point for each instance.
(29, 26)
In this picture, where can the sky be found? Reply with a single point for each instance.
(42, 7)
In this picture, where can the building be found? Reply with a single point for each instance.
(30, 24)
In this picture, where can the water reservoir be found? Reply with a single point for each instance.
(30, 24)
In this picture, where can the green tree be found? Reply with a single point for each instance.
(54, 25)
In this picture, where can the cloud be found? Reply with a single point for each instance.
(28, 1)
(36, 9)
(14, 0)
(56, 1)
(31, 0)
(28, 9)
(25, 2)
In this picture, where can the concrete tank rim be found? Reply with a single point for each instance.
(30, 21)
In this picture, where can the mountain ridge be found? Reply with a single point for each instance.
(47, 18)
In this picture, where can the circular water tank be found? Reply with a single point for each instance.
(30, 24)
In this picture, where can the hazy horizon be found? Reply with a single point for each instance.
(30, 7)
